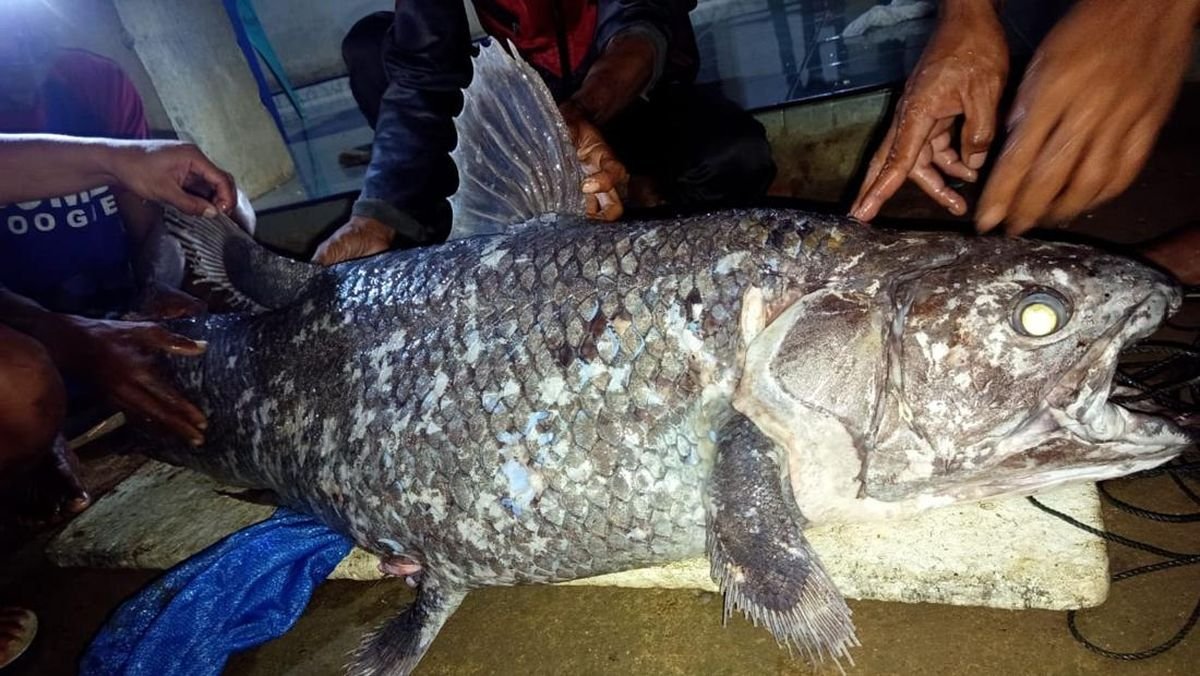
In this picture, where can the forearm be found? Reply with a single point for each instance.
(620, 75)
(33, 166)
(24, 315)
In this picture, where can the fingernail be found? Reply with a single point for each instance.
(591, 185)
(202, 344)
(210, 212)
(988, 219)
(976, 160)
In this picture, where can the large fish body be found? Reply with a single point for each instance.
(563, 400)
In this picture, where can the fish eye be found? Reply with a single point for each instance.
(1040, 313)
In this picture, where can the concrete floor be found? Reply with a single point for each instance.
(544, 630)
(548, 630)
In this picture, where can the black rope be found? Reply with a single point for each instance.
(1174, 560)
(1165, 383)
(1172, 383)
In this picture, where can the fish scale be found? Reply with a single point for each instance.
(550, 399)
(444, 438)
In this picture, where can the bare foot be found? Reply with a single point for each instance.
(48, 492)
(18, 626)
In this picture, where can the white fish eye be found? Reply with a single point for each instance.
(1039, 314)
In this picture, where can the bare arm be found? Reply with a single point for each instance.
(618, 77)
(35, 165)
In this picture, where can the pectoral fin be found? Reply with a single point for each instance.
(760, 558)
(397, 647)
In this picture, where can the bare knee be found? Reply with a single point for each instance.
(33, 400)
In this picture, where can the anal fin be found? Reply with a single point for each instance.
(759, 555)
(397, 647)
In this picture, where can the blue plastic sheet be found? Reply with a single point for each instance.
(241, 592)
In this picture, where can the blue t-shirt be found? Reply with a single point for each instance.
(70, 253)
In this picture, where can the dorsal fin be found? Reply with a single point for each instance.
(514, 155)
(225, 256)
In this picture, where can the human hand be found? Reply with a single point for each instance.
(159, 302)
(961, 72)
(118, 359)
(174, 173)
(1093, 99)
(604, 175)
(358, 238)
(1178, 252)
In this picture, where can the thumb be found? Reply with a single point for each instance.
(189, 203)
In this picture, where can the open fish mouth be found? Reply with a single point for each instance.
(1083, 401)
(1084, 431)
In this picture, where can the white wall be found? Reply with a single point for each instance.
(307, 34)
(93, 25)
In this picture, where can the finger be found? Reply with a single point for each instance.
(1048, 175)
(1132, 156)
(873, 169)
(598, 182)
(931, 182)
(979, 125)
(592, 206)
(610, 206)
(187, 202)
(911, 135)
(325, 254)
(158, 338)
(614, 168)
(140, 405)
(948, 162)
(219, 181)
(170, 399)
(1087, 181)
(1032, 128)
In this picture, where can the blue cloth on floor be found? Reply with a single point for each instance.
(241, 592)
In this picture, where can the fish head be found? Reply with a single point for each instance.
(967, 368)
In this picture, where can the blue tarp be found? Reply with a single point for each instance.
(241, 592)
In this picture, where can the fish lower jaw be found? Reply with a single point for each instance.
(1048, 480)
(1103, 422)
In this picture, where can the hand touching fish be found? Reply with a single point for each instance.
(1088, 110)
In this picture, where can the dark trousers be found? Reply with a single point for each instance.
(697, 147)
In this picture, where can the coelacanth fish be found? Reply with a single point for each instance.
(549, 399)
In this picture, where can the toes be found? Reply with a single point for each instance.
(18, 626)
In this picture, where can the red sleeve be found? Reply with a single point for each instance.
(100, 84)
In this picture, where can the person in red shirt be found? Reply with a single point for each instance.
(622, 71)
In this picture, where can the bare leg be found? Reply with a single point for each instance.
(17, 629)
(37, 480)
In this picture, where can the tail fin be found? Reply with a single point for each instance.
(225, 256)
(514, 155)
